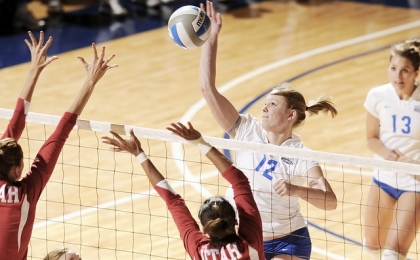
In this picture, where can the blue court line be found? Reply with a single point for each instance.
(334, 234)
(252, 102)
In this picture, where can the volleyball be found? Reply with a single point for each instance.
(189, 27)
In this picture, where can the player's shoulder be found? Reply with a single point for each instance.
(250, 129)
(249, 119)
(382, 92)
(294, 142)
(382, 89)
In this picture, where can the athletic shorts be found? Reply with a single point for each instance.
(298, 243)
(391, 191)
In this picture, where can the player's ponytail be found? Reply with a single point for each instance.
(322, 104)
(218, 219)
(296, 101)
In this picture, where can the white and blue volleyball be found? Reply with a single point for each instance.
(189, 27)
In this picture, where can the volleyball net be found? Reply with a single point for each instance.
(100, 203)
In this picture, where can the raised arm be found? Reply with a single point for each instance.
(39, 60)
(189, 231)
(250, 226)
(47, 156)
(222, 109)
(94, 72)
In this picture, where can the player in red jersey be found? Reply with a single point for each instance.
(19, 196)
(219, 238)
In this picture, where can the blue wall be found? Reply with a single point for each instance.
(400, 3)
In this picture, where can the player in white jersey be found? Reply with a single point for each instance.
(393, 133)
(277, 182)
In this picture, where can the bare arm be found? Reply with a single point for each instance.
(222, 109)
(318, 193)
(39, 60)
(94, 72)
(373, 141)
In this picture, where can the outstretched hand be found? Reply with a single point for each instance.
(97, 68)
(131, 145)
(188, 133)
(215, 17)
(38, 51)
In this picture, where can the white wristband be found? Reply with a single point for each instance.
(204, 147)
(142, 157)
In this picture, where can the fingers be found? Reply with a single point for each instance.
(190, 126)
(219, 18)
(109, 140)
(134, 137)
(106, 140)
(174, 129)
(208, 9)
(48, 43)
(178, 126)
(50, 59)
(33, 40)
(83, 61)
(132, 132)
(28, 43)
(182, 126)
(108, 60)
(41, 38)
(95, 53)
(281, 187)
(98, 65)
(103, 54)
(117, 136)
(178, 129)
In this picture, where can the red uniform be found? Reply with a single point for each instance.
(197, 244)
(18, 201)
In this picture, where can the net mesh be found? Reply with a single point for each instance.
(100, 203)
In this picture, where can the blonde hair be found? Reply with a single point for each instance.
(57, 253)
(296, 101)
(409, 50)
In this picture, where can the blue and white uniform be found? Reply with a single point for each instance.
(399, 130)
(280, 215)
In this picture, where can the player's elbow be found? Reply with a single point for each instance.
(331, 202)
(331, 205)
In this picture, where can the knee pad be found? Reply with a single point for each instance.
(389, 254)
